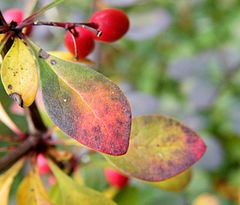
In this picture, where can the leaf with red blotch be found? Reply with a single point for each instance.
(160, 147)
(84, 104)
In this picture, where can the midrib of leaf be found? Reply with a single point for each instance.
(79, 95)
(73, 89)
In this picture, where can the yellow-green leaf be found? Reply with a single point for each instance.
(73, 193)
(31, 190)
(176, 183)
(6, 180)
(19, 74)
(160, 147)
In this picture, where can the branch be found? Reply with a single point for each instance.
(66, 25)
(7, 161)
(34, 120)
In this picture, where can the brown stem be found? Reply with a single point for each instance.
(7, 161)
(66, 25)
(35, 122)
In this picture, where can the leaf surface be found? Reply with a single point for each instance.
(19, 74)
(85, 104)
(31, 190)
(160, 147)
(73, 193)
(6, 180)
(176, 183)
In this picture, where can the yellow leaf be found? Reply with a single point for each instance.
(19, 74)
(31, 190)
(6, 180)
(206, 198)
(176, 183)
(73, 193)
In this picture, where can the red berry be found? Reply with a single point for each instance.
(42, 164)
(13, 14)
(16, 15)
(84, 41)
(115, 178)
(113, 23)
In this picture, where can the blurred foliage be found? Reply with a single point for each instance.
(183, 58)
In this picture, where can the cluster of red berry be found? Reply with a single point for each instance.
(113, 24)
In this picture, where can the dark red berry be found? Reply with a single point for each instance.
(13, 14)
(115, 178)
(113, 23)
(84, 42)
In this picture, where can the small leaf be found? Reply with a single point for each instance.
(73, 193)
(6, 180)
(19, 74)
(4, 118)
(31, 190)
(176, 183)
(85, 104)
(160, 147)
(43, 10)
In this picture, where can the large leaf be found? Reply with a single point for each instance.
(176, 183)
(73, 193)
(19, 74)
(160, 147)
(85, 104)
(6, 180)
(31, 190)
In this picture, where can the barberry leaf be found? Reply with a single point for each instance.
(31, 190)
(43, 10)
(19, 74)
(73, 193)
(6, 180)
(176, 183)
(160, 147)
(85, 104)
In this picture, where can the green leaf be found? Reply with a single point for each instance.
(19, 74)
(31, 190)
(84, 104)
(43, 10)
(176, 183)
(6, 180)
(74, 193)
(160, 147)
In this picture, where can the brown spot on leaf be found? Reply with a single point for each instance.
(53, 62)
(43, 54)
(10, 87)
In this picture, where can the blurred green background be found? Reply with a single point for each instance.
(179, 58)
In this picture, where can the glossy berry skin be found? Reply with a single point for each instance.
(42, 164)
(13, 14)
(84, 41)
(113, 23)
(115, 178)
